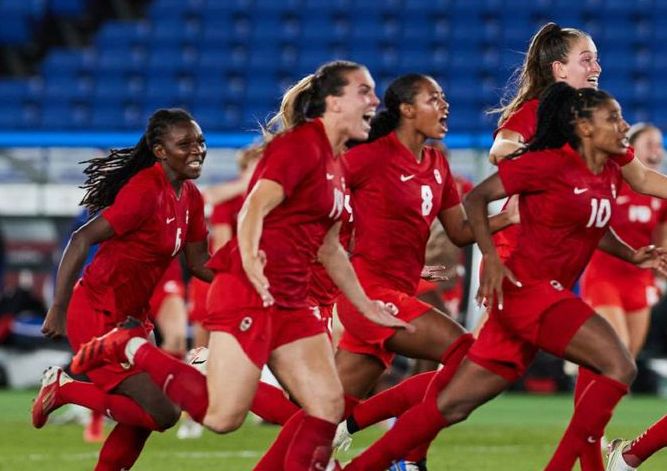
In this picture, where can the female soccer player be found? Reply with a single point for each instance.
(567, 183)
(258, 299)
(638, 220)
(148, 212)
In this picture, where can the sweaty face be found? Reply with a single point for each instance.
(431, 110)
(182, 151)
(649, 148)
(609, 128)
(581, 68)
(357, 104)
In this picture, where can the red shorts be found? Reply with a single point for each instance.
(365, 337)
(324, 312)
(84, 322)
(162, 290)
(627, 294)
(197, 293)
(538, 316)
(234, 307)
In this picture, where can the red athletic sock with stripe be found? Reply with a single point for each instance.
(183, 384)
(271, 404)
(418, 425)
(120, 408)
(592, 412)
(647, 443)
(122, 448)
(310, 448)
(590, 456)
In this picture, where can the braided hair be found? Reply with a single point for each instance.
(560, 108)
(306, 99)
(401, 90)
(105, 176)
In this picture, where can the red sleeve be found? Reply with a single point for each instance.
(197, 230)
(134, 204)
(226, 212)
(450, 194)
(288, 159)
(529, 172)
(624, 159)
(523, 120)
(359, 163)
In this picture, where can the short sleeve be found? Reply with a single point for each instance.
(288, 159)
(197, 230)
(624, 159)
(133, 205)
(450, 194)
(529, 172)
(358, 163)
(522, 121)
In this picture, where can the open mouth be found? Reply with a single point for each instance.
(196, 164)
(593, 80)
(625, 142)
(368, 117)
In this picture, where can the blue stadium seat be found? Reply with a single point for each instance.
(14, 91)
(67, 8)
(15, 28)
(167, 9)
(121, 59)
(62, 116)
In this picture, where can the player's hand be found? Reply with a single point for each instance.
(435, 273)
(254, 270)
(385, 314)
(54, 325)
(512, 209)
(491, 284)
(653, 257)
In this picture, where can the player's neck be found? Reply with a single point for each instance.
(413, 141)
(594, 158)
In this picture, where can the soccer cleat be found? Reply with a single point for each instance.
(334, 465)
(197, 357)
(403, 465)
(616, 461)
(343, 438)
(109, 348)
(47, 399)
(189, 429)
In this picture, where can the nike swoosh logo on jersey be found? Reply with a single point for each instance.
(405, 178)
(170, 220)
(330, 176)
(578, 191)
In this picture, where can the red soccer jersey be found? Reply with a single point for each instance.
(151, 225)
(302, 162)
(227, 212)
(635, 220)
(524, 121)
(395, 200)
(565, 211)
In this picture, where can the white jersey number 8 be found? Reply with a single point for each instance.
(427, 200)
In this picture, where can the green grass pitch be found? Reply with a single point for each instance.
(514, 432)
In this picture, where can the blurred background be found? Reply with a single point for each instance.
(80, 76)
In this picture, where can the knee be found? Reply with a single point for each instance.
(453, 413)
(622, 369)
(223, 422)
(167, 417)
(329, 406)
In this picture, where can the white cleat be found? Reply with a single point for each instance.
(616, 461)
(189, 429)
(197, 357)
(343, 438)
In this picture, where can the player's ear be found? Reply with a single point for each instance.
(584, 127)
(159, 152)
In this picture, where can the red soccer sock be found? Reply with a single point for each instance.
(418, 425)
(591, 414)
(310, 448)
(183, 384)
(271, 404)
(392, 402)
(122, 448)
(652, 440)
(274, 458)
(118, 407)
(590, 456)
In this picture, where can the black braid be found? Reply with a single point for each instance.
(107, 175)
(560, 107)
